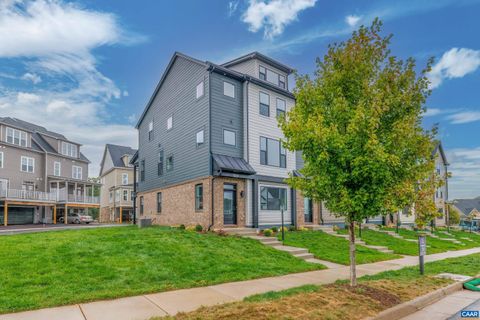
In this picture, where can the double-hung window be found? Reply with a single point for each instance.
(160, 163)
(57, 169)
(272, 153)
(229, 89)
(272, 198)
(124, 178)
(150, 131)
(141, 205)
(27, 164)
(77, 172)
(142, 170)
(17, 137)
(281, 106)
(170, 123)
(1, 159)
(200, 87)
(199, 196)
(262, 73)
(264, 104)
(159, 202)
(170, 163)
(281, 82)
(200, 138)
(110, 196)
(229, 137)
(125, 195)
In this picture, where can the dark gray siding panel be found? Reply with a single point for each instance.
(227, 113)
(177, 98)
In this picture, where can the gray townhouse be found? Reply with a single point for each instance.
(209, 147)
(116, 177)
(43, 175)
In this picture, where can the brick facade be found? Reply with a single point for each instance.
(300, 219)
(104, 216)
(178, 203)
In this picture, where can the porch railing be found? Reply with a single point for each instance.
(78, 198)
(19, 194)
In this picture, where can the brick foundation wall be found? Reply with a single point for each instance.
(178, 203)
(104, 215)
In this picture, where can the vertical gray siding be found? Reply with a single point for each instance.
(227, 113)
(177, 97)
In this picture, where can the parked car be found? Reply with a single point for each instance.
(76, 218)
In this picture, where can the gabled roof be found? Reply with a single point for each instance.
(261, 57)
(116, 153)
(221, 69)
(439, 148)
(467, 205)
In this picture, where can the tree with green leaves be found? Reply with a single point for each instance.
(358, 126)
(454, 215)
(425, 208)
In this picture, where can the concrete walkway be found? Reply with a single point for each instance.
(169, 303)
(449, 307)
(34, 228)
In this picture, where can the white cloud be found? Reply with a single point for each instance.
(432, 112)
(232, 7)
(125, 93)
(54, 40)
(464, 117)
(465, 168)
(352, 20)
(455, 63)
(35, 78)
(274, 15)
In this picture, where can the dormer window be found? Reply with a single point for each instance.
(17, 137)
(281, 81)
(272, 77)
(69, 149)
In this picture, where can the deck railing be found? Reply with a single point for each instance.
(27, 195)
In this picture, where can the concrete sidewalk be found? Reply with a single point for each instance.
(171, 302)
(449, 307)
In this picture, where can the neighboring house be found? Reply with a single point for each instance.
(469, 210)
(407, 216)
(209, 146)
(116, 177)
(43, 175)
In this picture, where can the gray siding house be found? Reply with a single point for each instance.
(209, 146)
(43, 175)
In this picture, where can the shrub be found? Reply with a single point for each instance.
(198, 228)
(290, 228)
(181, 227)
(302, 229)
(190, 228)
(335, 228)
(267, 232)
(275, 229)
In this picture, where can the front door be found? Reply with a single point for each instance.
(308, 207)
(229, 204)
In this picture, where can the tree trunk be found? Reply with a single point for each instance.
(353, 268)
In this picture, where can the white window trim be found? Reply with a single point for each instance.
(27, 158)
(199, 144)
(20, 134)
(79, 170)
(170, 123)
(123, 178)
(234, 88)
(230, 130)
(59, 169)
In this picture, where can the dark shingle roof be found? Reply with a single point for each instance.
(232, 164)
(466, 205)
(117, 152)
(261, 57)
(31, 127)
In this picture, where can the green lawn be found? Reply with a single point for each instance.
(331, 248)
(376, 238)
(435, 245)
(65, 267)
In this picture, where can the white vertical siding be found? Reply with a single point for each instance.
(248, 201)
(262, 126)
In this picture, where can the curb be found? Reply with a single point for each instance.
(404, 309)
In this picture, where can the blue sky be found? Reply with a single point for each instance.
(87, 68)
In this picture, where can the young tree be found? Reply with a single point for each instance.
(358, 126)
(425, 208)
(454, 215)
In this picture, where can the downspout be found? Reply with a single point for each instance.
(134, 194)
(210, 150)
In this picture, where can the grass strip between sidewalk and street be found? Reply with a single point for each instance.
(339, 301)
